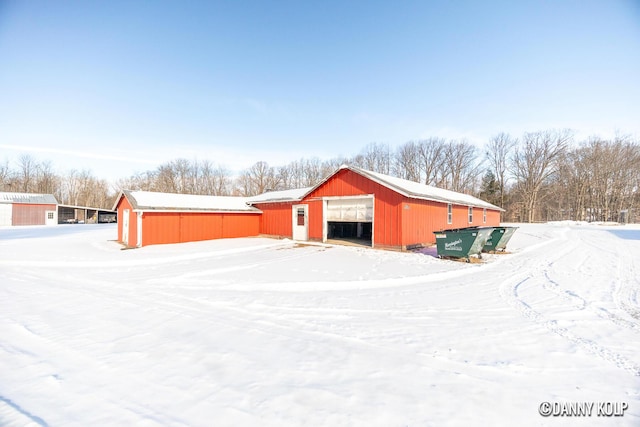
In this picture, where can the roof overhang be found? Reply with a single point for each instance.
(402, 191)
(233, 208)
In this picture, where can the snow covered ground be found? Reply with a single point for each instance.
(261, 332)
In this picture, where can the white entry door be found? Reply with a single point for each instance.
(300, 218)
(125, 227)
(50, 218)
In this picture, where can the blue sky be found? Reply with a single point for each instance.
(122, 87)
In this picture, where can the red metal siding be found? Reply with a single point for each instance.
(28, 214)
(344, 183)
(493, 218)
(461, 217)
(133, 228)
(276, 219)
(178, 227)
(315, 218)
(240, 225)
(422, 217)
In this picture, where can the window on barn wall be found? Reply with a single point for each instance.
(470, 214)
(449, 213)
(484, 215)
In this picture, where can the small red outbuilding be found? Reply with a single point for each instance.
(378, 210)
(149, 218)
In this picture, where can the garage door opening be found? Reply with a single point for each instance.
(349, 220)
(357, 233)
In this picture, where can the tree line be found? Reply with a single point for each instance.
(538, 176)
(77, 188)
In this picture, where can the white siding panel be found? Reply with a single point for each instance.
(5, 214)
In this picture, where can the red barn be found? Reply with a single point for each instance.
(148, 218)
(378, 210)
(352, 204)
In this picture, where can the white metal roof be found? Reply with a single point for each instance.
(423, 191)
(154, 201)
(412, 189)
(47, 199)
(280, 196)
(148, 200)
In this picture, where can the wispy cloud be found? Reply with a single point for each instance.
(88, 154)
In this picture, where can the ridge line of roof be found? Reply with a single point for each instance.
(388, 181)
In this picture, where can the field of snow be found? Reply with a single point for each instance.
(262, 332)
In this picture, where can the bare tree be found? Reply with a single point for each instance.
(375, 157)
(571, 184)
(27, 170)
(331, 165)
(144, 181)
(243, 185)
(312, 172)
(221, 181)
(6, 179)
(292, 175)
(613, 170)
(534, 162)
(67, 193)
(46, 179)
(258, 179)
(166, 180)
(431, 152)
(462, 167)
(83, 189)
(285, 176)
(498, 151)
(406, 162)
(85, 186)
(184, 174)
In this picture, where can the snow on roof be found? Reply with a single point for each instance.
(405, 187)
(422, 191)
(280, 196)
(149, 200)
(47, 199)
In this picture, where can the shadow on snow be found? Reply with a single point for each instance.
(626, 234)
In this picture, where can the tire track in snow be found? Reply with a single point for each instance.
(580, 303)
(56, 351)
(62, 264)
(237, 318)
(552, 325)
(268, 324)
(626, 285)
(538, 277)
(12, 414)
(236, 267)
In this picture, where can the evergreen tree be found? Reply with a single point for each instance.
(490, 189)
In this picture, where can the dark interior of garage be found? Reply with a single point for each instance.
(355, 232)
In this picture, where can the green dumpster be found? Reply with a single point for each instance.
(462, 242)
(499, 239)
